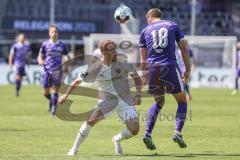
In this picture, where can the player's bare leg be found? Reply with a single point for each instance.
(235, 91)
(151, 119)
(18, 84)
(84, 130)
(47, 94)
(131, 130)
(180, 118)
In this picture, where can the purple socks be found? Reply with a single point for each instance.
(180, 116)
(151, 118)
(18, 86)
(153, 112)
(54, 99)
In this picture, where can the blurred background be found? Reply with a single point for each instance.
(77, 19)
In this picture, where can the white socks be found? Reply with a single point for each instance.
(85, 129)
(82, 135)
(124, 134)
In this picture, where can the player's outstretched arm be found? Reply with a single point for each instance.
(72, 86)
(10, 58)
(182, 44)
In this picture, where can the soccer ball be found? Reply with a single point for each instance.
(122, 14)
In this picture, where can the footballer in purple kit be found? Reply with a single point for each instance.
(20, 53)
(160, 71)
(50, 56)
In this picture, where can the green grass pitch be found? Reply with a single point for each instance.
(27, 131)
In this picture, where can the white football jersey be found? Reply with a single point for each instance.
(112, 79)
(104, 80)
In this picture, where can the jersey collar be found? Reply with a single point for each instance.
(51, 42)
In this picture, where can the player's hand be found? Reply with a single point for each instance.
(41, 62)
(144, 79)
(186, 76)
(137, 99)
(65, 69)
(62, 99)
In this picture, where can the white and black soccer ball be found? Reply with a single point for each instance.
(122, 14)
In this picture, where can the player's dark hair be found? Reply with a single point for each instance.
(53, 26)
(19, 33)
(154, 13)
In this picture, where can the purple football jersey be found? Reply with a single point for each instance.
(159, 39)
(52, 54)
(20, 52)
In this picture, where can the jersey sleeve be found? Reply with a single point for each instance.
(178, 32)
(65, 50)
(42, 50)
(142, 41)
(82, 74)
(90, 73)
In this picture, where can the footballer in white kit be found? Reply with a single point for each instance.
(114, 93)
(111, 76)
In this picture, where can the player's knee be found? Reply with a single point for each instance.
(18, 78)
(135, 130)
(95, 117)
(160, 100)
(91, 122)
(183, 98)
(46, 94)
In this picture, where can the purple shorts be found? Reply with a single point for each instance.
(52, 79)
(238, 72)
(20, 71)
(164, 79)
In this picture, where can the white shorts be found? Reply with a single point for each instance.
(124, 110)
